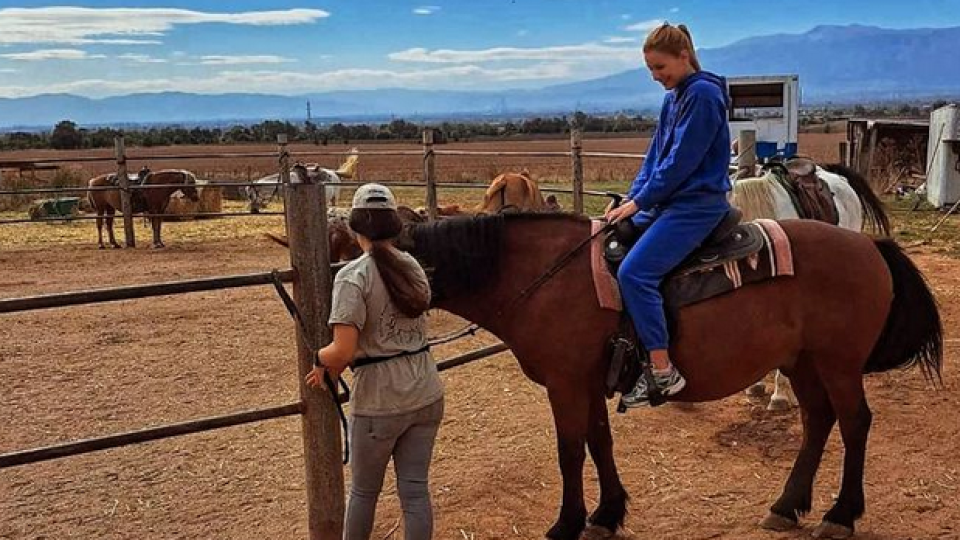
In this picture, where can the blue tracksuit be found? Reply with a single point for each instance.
(682, 191)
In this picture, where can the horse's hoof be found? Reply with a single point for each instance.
(757, 390)
(776, 522)
(827, 529)
(779, 404)
(596, 532)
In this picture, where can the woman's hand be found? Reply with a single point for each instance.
(621, 212)
(315, 377)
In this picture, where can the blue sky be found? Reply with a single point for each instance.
(99, 49)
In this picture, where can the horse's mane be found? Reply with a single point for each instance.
(463, 253)
(754, 197)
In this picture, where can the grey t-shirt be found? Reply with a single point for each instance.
(399, 385)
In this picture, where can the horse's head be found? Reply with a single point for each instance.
(189, 188)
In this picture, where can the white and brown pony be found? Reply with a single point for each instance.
(261, 195)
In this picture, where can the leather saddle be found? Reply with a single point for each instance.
(729, 241)
(137, 196)
(810, 194)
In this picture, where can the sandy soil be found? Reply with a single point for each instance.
(705, 473)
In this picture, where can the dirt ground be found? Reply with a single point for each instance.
(709, 472)
(704, 473)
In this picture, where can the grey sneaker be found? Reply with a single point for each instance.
(669, 383)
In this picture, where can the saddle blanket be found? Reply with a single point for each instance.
(775, 259)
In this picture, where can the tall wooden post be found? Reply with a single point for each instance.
(746, 153)
(310, 259)
(126, 202)
(844, 151)
(430, 173)
(576, 162)
(867, 171)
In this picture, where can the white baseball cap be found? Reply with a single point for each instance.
(374, 196)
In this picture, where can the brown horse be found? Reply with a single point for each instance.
(151, 201)
(516, 192)
(855, 305)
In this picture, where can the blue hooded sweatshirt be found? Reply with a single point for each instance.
(688, 159)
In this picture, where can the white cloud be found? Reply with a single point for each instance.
(626, 16)
(674, 10)
(522, 33)
(7, 70)
(141, 59)
(644, 26)
(620, 39)
(78, 25)
(290, 83)
(51, 54)
(567, 53)
(215, 60)
(426, 10)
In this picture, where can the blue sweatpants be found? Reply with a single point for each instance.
(673, 235)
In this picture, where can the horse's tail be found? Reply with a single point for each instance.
(913, 333)
(873, 210)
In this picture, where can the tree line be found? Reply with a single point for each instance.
(67, 135)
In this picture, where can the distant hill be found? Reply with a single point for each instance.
(835, 63)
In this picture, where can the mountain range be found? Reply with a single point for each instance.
(839, 64)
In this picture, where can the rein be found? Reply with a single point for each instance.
(331, 386)
(558, 265)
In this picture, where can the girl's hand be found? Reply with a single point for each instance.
(315, 378)
(621, 212)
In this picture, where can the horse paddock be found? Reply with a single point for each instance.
(705, 472)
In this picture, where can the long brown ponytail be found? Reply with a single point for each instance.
(406, 290)
(672, 40)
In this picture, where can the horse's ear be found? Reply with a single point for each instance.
(526, 174)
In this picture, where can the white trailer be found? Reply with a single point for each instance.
(943, 156)
(769, 105)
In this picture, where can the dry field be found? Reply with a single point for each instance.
(698, 474)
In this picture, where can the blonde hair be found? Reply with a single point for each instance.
(672, 40)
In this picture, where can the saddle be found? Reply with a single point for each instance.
(810, 194)
(730, 240)
(138, 198)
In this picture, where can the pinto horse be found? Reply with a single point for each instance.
(152, 201)
(855, 305)
(858, 207)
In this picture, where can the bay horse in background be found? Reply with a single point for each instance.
(512, 192)
(855, 305)
(765, 196)
(150, 201)
(261, 195)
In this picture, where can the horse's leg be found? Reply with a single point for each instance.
(848, 398)
(156, 223)
(782, 398)
(818, 418)
(613, 497)
(113, 238)
(100, 229)
(571, 414)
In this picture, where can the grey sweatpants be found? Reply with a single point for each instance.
(409, 439)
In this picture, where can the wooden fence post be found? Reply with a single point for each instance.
(310, 260)
(844, 151)
(430, 173)
(746, 153)
(126, 203)
(576, 162)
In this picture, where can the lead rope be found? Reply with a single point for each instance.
(331, 386)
